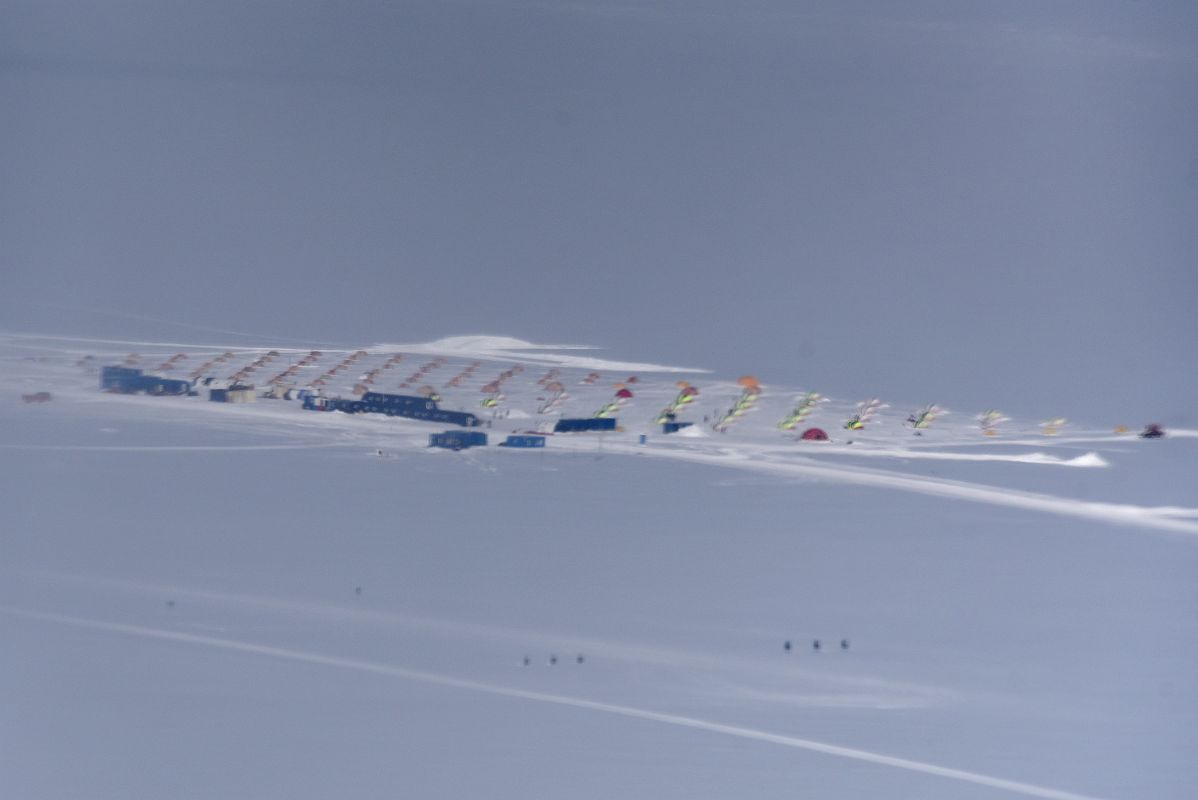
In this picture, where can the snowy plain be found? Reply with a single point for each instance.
(257, 601)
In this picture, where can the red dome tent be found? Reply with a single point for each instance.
(814, 435)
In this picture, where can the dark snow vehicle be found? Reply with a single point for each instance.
(1153, 431)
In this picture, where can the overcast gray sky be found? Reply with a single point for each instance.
(970, 203)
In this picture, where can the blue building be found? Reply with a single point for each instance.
(117, 379)
(523, 440)
(128, 380)
(237, 393)
(314, 402)
(582, 424)
(393, 405)
(344, 405)
(412, 407)
(458, 440)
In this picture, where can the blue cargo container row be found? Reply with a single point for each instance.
(412, 407)
(523, 440)
(458, 440)
(132, 381)
(393, 405)
(345, 406)
(566, 425)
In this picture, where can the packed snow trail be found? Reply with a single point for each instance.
(504, 348)
(359, 665)
(1087, 460)
(1113, 513)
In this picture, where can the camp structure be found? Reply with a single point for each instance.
(814, 435)
(803, 409)
(130, 380)
(751, 392)
(283, 391)
(1053, 426)
(584, 424)
(393, 405)
(923, 419)
(457, 440)
(866, 411)
(523, 440)
(991, 418)
(686, 396)
(315, 402)
(414, 407)
(670, 424)
(237, 393)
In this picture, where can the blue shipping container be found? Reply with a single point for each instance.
(412, 407)
(116, 377)
(580, 425)
(132, 381)
(346, 405)
(458, 440)
(314, 402)
(523, 440)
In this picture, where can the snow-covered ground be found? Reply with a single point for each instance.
(204, 600)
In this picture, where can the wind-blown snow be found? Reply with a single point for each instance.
(504, 347)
